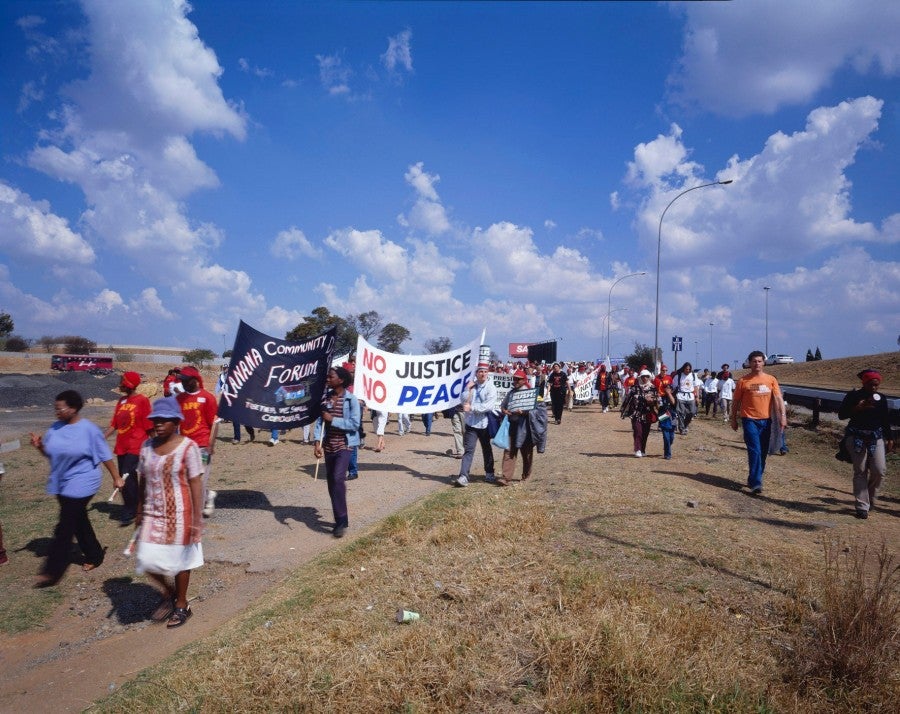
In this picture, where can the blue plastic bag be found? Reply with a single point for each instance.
(501, 438)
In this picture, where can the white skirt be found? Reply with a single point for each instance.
(168, 560)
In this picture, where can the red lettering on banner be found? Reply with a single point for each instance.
(373, 391)
(374, 362)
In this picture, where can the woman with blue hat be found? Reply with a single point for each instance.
(170, 511)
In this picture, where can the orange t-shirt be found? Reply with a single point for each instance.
(754, 393)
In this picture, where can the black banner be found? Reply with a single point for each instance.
(275, 384)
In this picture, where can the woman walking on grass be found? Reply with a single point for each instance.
(640, 404)
(75, 448)
(170, 511)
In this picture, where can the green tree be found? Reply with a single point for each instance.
(642, 355)
(320, 320)
(809, 356)
(392, 336)
(198, 356)
(366, 324)
(818, 354)
(6, 325)
(77, 345)
(436, 345)
(227, 353)
(16, 343)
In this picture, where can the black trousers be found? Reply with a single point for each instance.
(557, 402)
(128, 464)
(73, 521)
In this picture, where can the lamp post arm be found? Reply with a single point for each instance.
(659, 251)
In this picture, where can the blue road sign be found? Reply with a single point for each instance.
(676, 344)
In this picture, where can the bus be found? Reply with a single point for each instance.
(82, 363)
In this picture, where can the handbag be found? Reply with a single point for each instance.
(501, 438)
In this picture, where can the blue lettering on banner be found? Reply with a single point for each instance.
(431, 395)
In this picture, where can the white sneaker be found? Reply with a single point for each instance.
(210, 506)
(638, 454)
(462, 481)
(605, 409)
(272, 442)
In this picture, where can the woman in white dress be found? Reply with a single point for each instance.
(170, 517)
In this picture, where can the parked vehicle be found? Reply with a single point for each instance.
(82, 363)
(779, 359)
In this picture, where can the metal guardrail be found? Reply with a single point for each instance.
(829, 400)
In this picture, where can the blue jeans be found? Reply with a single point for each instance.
(427, 420)
(353, 470)
(668, 434)
(756, 437)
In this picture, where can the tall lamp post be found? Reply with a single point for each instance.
(608, 316)
(609, 302)
(767, 320)
(710, 346)
(659, 251)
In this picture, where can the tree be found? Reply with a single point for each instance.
(436, 345)
(48, 342)
(319, 321)
(227, 353)
(642, 355)
(809, 356)
(77, 345)
(392, 336)
(818, 354)
(366, 324)
(16, 343)
(6, 324)
(198, 356)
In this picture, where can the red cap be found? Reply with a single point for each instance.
(520, 374)
(130, 380)
(190, 371)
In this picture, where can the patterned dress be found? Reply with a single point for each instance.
(164, 542)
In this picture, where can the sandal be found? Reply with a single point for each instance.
(179, 616)
(163, 611)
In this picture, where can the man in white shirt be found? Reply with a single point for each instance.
(687, 390)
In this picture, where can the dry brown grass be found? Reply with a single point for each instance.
(510, 622)
(847, 643)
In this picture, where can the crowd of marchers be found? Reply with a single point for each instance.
(162, 455)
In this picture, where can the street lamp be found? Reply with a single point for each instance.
(767, 320)
(659, 251)
(609, 302)
(710, 346)
(608, 318)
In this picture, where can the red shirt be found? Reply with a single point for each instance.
(661, 380)
(131, 424)
(167, 385)
(199, 411)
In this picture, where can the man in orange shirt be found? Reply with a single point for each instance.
(756, 395)
(661, 380)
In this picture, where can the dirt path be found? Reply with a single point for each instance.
(272, 516)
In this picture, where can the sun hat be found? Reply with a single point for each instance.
(645, 373)
(166, 408)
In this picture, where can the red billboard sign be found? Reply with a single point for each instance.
(519, 349)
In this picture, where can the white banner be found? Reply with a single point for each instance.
(584, 386)
(412, 384)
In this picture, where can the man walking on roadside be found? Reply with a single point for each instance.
(755, 395)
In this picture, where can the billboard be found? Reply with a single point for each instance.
(519, 349)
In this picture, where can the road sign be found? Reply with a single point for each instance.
(676, 344)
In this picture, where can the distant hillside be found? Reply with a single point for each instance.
(840, 373)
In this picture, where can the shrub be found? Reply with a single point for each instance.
(852, 639)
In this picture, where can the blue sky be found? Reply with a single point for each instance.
(168, 169)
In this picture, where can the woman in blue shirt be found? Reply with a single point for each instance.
(75, 448)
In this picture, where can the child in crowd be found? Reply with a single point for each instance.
(667, 419)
